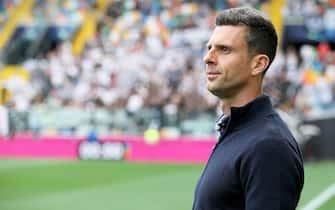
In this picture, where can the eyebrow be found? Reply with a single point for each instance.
(219, 46)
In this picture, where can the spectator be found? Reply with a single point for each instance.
(145, 56)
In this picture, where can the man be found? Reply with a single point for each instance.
(256, 164)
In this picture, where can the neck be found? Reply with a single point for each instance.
(238, 100)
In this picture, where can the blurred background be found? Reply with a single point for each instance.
(105, 101)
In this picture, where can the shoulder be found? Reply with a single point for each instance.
(270, 130)
(273, 150)
(274, 155)
(269, 136)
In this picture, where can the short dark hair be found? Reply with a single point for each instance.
(261, 38)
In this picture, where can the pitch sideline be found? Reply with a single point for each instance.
(320, 199)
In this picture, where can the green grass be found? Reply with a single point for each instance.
(81, 185)
(330, 205)
(318, 176)
(57, 185)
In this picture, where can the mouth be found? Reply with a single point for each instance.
(212, 75)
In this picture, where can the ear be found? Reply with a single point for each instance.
(258, 64)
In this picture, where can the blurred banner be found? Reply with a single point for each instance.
(132, 149)
(321, 146)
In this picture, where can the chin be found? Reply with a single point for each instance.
(218, 91)
(214, 91)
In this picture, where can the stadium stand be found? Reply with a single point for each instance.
(122, 66)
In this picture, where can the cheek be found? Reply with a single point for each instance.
(228, 68)
(233, 65)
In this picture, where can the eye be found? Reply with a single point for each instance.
(225, 49)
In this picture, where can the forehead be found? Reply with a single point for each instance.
(229, 35)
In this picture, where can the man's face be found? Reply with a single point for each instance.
(228, 65)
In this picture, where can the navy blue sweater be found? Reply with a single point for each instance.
(256, 164)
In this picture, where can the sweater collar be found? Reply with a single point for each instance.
(259, 107)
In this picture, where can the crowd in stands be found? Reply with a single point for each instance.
(6, 7)
(316, 19)
(301, 81)
(147, 55)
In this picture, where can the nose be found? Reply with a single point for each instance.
(210, 57)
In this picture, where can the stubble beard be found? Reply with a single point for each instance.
(224, 90)
(217, 88)
(219, 92)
